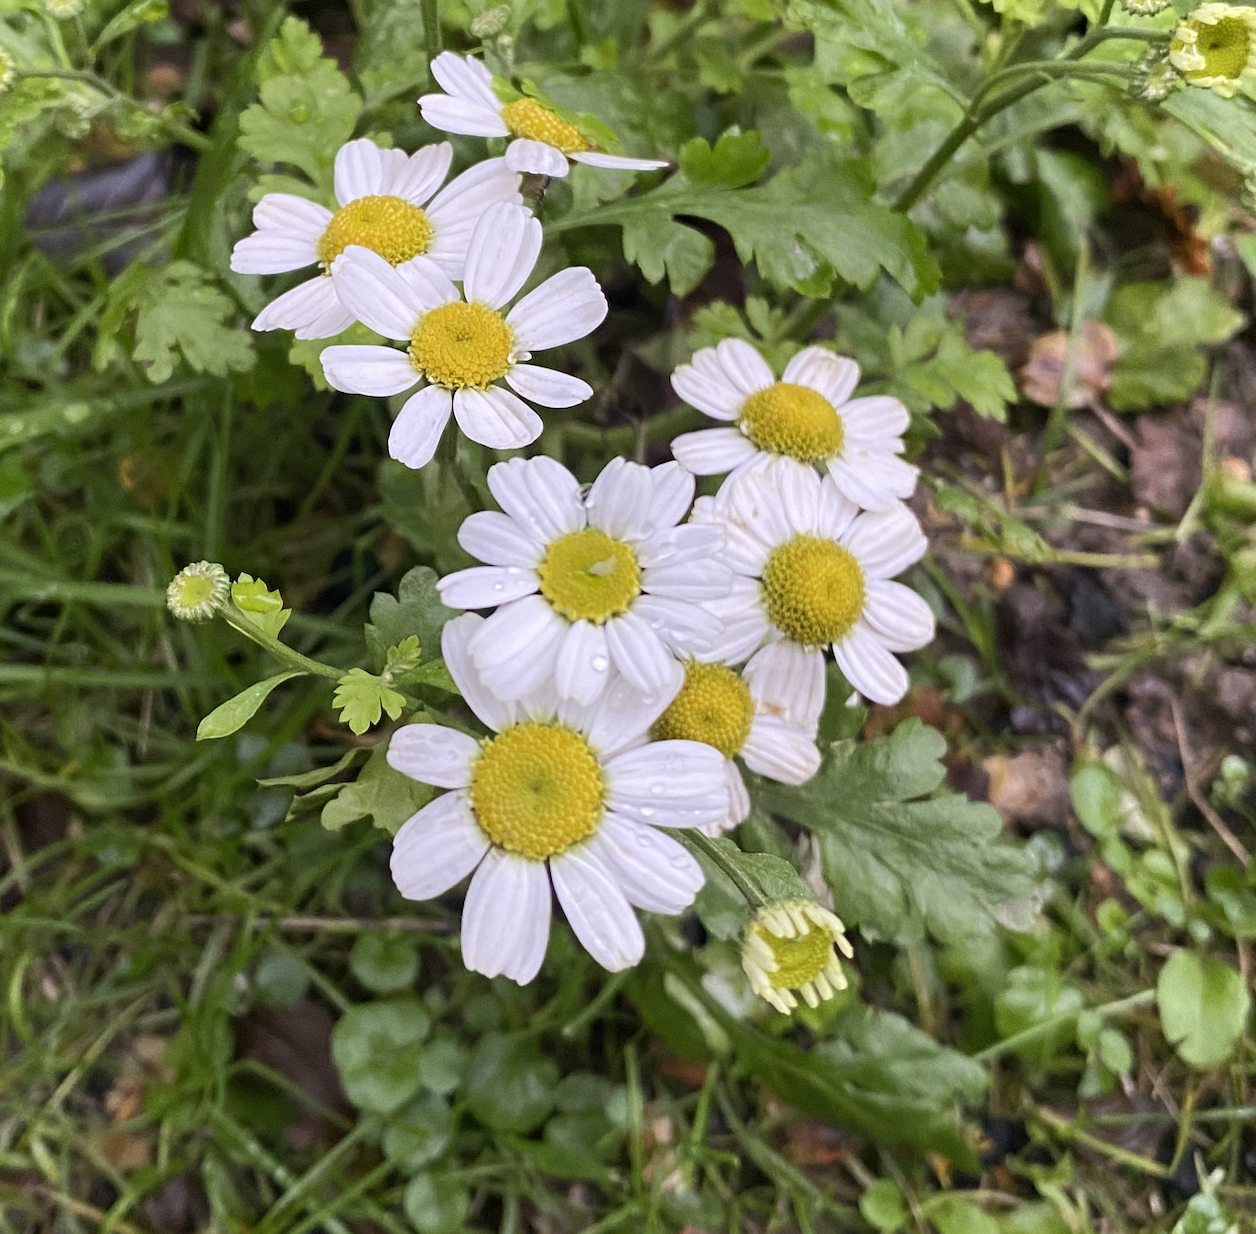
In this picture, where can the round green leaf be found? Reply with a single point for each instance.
(883, 1206)
(435, 1205)
(376, 1048)
(280, 980)
(385, 962)
(419, 1133)
(510, 1087)
(1203, 1007)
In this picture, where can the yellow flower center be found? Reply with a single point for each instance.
(1225, 46)
(713, 706)
(537, 789)
(462, 345)
(389, 226)
(527, 118)
(793, 420)
(814, 590)
(798, 960)
(587, 576)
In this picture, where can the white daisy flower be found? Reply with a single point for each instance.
(722, 707)
(385, 207)
(461, 344)
(808, 416)
(813, 572)
(543, 140)
(789, 950)
(563, 793)
(587, 583)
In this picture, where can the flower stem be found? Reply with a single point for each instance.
(430, 11)
(281, 652)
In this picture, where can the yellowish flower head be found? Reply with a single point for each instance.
(1215, 47)
(197, 591)
(7, 69)
(790, 950)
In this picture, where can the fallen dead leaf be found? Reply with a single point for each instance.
(1030, 785)
(1094, 352)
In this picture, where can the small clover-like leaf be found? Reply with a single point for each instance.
(361, 698)
(403, 658)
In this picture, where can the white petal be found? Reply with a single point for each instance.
(456, 116)
(669, 546)
(416, 431)
(433, 754)
(504, 248)
(798, 487)
(738, 795)
(745, 625)
(496, 418)
(834, 377)
(695, 580)
(583, 665)
(487, 586)
(565, 307)
(466, 78)
(597, 910)
(641, 656)
(363, 368)
(272, 252)
(901, 617)
(886, 542)
(743, 551)
(788, 681)
(874, 480)
(869, 667)
(668, 784)
(653, 870)
(836, 513)
(516, 648)
(375, 293)
(311, 308)
(619, 500)
(619, 720)
(712, 451)
(683, 626)
(500, 540)
(428, 285)
(873, 418)
(547, 386)
(673, 494)
(780, 751)
(704, 384)
(437, 847)
(536, 158)
(422, 173)
(454, 648)
(754, 499)
(540, 493)
(745, 368)
(364, 170)
(456, 209)
(298, 216)
(506, 917)
(617, 162)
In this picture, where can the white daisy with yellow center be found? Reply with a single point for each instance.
(725, 708)
(563, 793)
(542, 140)
(587, 586)
(812, 572)
(461, 344)
(1215, 47)
(808, 416)
(791, 948)
(384, 206)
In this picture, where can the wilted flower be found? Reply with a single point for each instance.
(1215, 46)
(197, 591)
(789, 949)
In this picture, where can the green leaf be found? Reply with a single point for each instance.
(510, 1086)
(1203, 1007)
(884, 1207)
(236, 712)
(956, 371)
(952, 1215)
(895, 863)
(319, 775)
(384, 962)
(736, 159)
(280, 980)
(361, 698)
(130, 17)
(306, 111)
(419, 1133)
(379, 793)
(416, 611)
(1031, 996)
(390, 54)
(262, 607)
(436, 1205)
(376, 1048)
(660, 246)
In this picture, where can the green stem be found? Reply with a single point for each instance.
(282, 653)
(700, 12)
(430, 11)
(696, 842)
(1144, 998)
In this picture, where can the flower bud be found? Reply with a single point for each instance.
(1145, 8)
(789, 950)
(490, 23)
(62, 10)
(197, 591)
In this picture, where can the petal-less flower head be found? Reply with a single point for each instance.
(808, 416)
(198, 590)
(461, 344)
(1215, 47)
(388, 204)
(542, 140)
(789, 950)
(588, 585)
(725, 708)
(563, 793)
(813, 572)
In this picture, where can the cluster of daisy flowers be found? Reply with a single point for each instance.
(631, 650)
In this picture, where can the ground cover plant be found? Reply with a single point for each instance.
(627, 616)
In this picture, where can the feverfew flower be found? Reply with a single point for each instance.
(563, 793)
(460, 343)
(543, 140)
(1215, 47)
(813, 572)
(198, 591)
(8, 69)
(586, 583)
(789, 947)
(808, 416)
(385, 207)
(726, 709)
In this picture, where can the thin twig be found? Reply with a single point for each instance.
(1201, 803)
